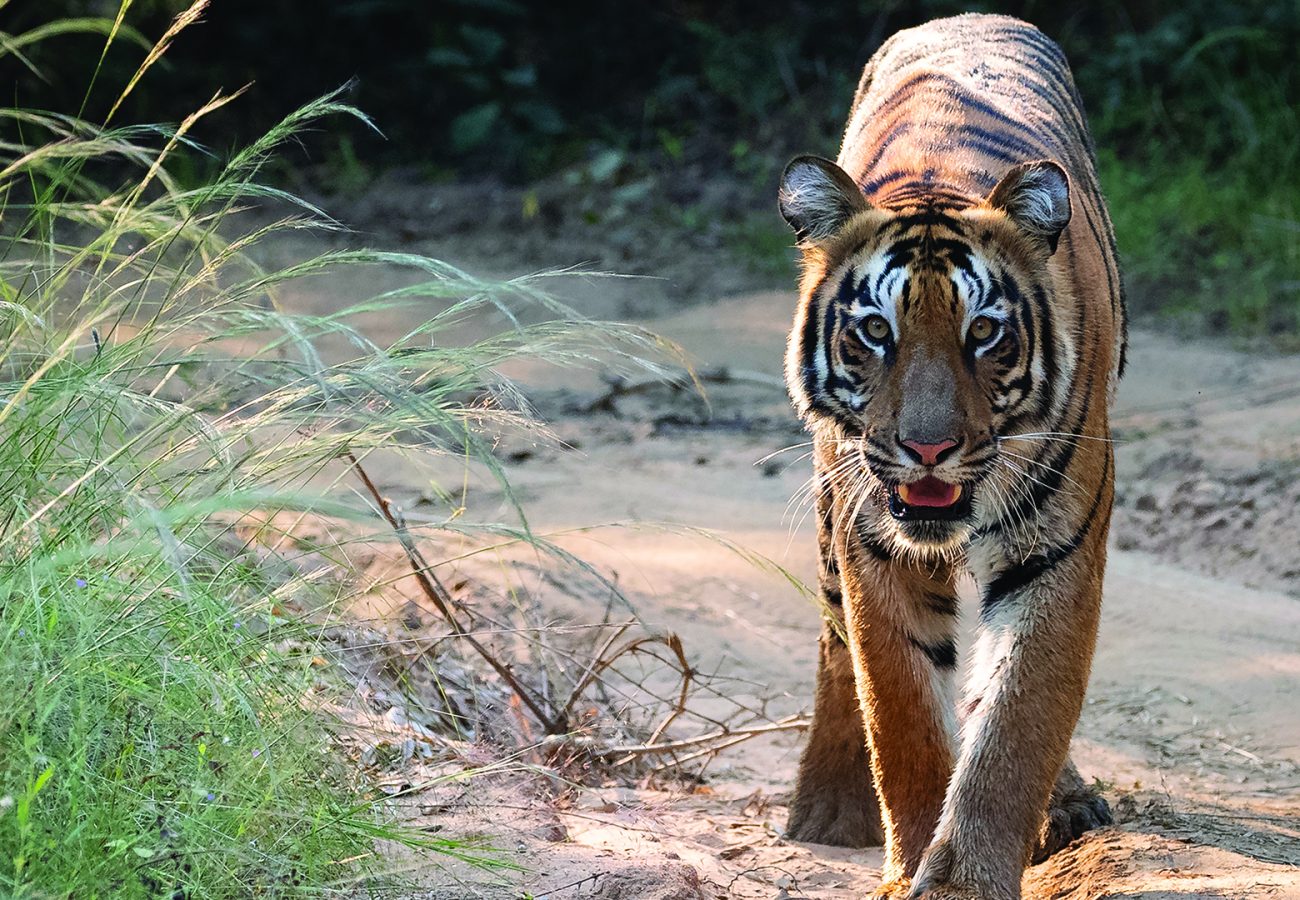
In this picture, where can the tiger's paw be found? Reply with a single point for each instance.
(897, 889)
(948, 892)
(942, 876)
(841, 818)
(1071, 814)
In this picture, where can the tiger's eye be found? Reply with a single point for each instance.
(982, 328)
(876, 327)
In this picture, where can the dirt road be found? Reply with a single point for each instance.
(1191, 721)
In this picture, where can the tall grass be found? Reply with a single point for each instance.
(1206, 213)
(160, 736)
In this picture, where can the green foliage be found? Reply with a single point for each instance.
(1207, 247)
(1175, 91)
(1193, 148)
(163, 733)
(761, 244)
(506, 106)
(154, 736)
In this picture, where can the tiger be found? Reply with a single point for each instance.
(956, 346)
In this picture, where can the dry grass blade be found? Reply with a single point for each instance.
(182, 21)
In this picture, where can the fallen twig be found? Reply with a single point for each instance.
(621, 387)
(707, 744)
(727, 738)
(437, 594)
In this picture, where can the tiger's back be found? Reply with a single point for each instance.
(942, 112)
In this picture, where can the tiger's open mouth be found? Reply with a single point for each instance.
(930, 498)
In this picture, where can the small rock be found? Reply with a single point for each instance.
(1216, 522)
(1147, 503)
(551, 832)
(411, 618)
(651, 882)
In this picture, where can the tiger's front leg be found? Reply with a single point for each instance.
(1033, 654)
(900, 618)
(835, 797)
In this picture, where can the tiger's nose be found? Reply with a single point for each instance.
(928, 454)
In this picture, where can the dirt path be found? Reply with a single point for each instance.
(1191, 721)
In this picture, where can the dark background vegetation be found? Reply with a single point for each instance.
(678, 115)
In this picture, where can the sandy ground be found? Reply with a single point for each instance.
(1191, 722)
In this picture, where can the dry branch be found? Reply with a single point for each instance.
(627, 678)
(438, 595)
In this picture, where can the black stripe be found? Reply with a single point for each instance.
(991, 150)
(828, 572)
(1043, 306)
(1027, 149)
(1056, 461)
(930, 216)
(953, 248)
(821, 396)
(1038, 76)
(1057, 66)
(874, 547)
(942, 654)
(1123, 339)
(1044, 43)
(1109, 268)
(894, 260)
(1033, 567)
(953, 88)
(886, 463)
(884, 140)
(941, 604)
(1031, 327)
(875, 184)
(808, 346)
(1048, 61)
(934, 198)
(884, 449)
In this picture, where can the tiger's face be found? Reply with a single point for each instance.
(924, 340)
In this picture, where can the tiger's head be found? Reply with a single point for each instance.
(925, 340)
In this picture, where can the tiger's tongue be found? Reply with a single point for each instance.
(929, 491)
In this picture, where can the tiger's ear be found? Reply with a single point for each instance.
(1036, 197)
(817, 198)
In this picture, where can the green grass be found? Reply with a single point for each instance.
(1199, 134)
(154, 738)
(161, 734)
(1208, 248)
(1206, 213)
(762, 244)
